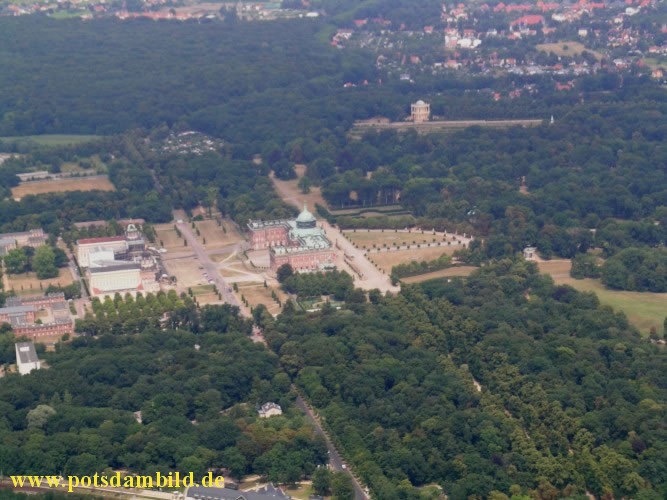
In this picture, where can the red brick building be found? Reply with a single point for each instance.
(298, 242)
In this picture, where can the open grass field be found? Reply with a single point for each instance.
(214, 234)
(27, 283)
(567, 49)
(168, 238)
(389, 237)
(387, 260)
(205, 295)
(52, 139)
(643, 309)
(442, 273)
(101, 183)
(257, 294)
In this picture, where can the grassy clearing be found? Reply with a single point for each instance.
(215, 235)
(167, 237)
(390, 237)
(202, 290)
(643, 309)
(28, 283)
(100, 183)
(257, 294)
(52, 139)
(443, 273)
(387, 260)
(567, 49)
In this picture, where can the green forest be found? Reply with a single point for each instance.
(569, 398)
(500, 385)
(197, 395)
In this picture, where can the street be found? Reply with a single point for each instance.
(335, 460)
(208, 265)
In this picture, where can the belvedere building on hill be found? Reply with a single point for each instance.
(298, 242)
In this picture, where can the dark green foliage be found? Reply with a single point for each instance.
(284, 272)
(414, 267)
(585, 265)
(336, 283)
(44, 263)
(77, 416)
(637, 269)
(572, 398)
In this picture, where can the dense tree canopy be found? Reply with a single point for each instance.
(570, 398)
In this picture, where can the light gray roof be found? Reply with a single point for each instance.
(17, 309)
(305, 215)
(26, 353)
(110, 267)
(204, 493)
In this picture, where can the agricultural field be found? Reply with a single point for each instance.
(101, 183)
(387, 260)
(27, 283)
(643, 309)
(567, 49)
(442, 273)
(388, 237)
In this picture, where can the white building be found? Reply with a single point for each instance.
(420, 112)
(107, 278)
(85, 247)
(269, 410)
(26, 358)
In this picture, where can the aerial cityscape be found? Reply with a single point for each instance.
(333, 249)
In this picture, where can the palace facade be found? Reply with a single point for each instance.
(297, 242)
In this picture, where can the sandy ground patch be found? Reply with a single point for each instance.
(101, 183)
(387, 260)
(29, 284)
(187, 271)
(168, 238)
(256, 293)
(443, 273)
(214, 234)
(290, 190)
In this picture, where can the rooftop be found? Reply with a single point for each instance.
(17, 309)
(26, 353)
(105, 239)
(204, 493)
(113, 266)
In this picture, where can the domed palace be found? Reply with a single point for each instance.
(298, 242)
(420, 112)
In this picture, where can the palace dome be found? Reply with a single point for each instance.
(305, 220)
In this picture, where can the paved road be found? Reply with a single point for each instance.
(209, 266)
(335, 461)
